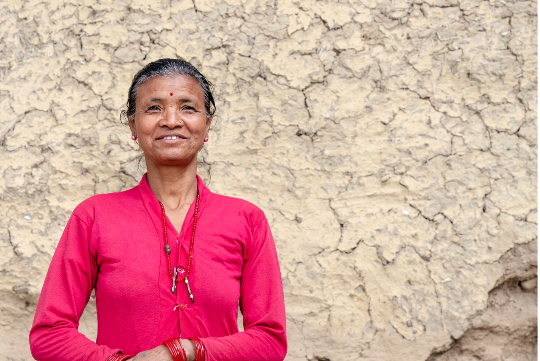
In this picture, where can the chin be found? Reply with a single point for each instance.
(175, 162)
(171, 158)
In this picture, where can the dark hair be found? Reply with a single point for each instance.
(167, 67)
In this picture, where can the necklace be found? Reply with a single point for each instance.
(174, 276)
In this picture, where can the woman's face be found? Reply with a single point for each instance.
(170, 120)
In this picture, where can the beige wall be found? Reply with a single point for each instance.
(392, 145)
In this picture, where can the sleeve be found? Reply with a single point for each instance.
(262, 304)
(69, 282)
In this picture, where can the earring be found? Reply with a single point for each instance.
(206, 139)
(133, 137)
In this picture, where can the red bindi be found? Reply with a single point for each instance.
(171, 94)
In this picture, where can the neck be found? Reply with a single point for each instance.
(173, 186)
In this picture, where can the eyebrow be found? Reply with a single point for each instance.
(187, 100)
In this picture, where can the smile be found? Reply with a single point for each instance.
(171, 137)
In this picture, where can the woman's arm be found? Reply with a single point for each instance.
(262, 305)
(66, 291)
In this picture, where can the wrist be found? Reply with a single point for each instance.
(190, 349)
(175, 348)
(200, 352)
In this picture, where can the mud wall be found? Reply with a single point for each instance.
(391, 144)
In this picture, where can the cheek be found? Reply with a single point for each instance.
(144, 125)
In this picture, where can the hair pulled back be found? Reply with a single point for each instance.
(167, 67)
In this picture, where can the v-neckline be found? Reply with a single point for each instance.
(153, 208)
(170, 225)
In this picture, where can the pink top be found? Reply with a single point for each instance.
(114, 243)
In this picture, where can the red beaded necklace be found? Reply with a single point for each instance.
(174, 276)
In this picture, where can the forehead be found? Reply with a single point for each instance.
(177, 84)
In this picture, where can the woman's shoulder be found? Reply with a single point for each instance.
(237, 207)
(104, 202)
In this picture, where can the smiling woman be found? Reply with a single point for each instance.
(170, 128)
(169, 260)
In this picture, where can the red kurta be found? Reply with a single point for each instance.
(114, 243)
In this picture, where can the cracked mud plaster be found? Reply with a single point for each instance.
(392, 146)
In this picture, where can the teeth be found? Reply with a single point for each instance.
(172, 137)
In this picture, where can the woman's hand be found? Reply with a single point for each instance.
(160, 353)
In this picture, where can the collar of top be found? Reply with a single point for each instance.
(153, 207)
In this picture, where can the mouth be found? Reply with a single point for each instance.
(172, 137)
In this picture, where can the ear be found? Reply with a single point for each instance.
(131, 123)
(207, 126)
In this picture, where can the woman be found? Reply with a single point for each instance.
(169, 260)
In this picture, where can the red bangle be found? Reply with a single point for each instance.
(118, 357)
(201, 352)
(179, 344)
(175, 348)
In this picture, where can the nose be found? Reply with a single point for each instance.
(171, 118)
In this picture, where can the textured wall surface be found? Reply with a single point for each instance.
(392, 145)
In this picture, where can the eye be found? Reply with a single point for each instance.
(153, 108)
